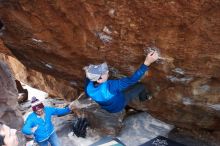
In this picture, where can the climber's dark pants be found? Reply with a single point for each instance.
(136, 92)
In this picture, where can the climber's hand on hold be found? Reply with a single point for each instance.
(151, 57)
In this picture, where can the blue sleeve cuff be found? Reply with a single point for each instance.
(69, 110)
(144, 67)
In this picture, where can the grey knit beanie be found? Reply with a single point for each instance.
(93, 72)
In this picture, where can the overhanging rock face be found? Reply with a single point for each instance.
(58, 38)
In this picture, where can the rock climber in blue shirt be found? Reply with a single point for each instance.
(39, 125)
(114, 95)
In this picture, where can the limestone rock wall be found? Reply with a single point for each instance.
(58, 38)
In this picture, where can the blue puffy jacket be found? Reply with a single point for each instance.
(45, 127)
(109, 94)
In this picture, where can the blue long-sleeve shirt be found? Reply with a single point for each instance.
(109, 94)
(45, 126)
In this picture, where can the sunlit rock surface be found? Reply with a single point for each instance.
(143, 127)
(9, 114)
(54, 86)
(57, 38)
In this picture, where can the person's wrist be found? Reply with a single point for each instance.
(147, 63)
(70, 107)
